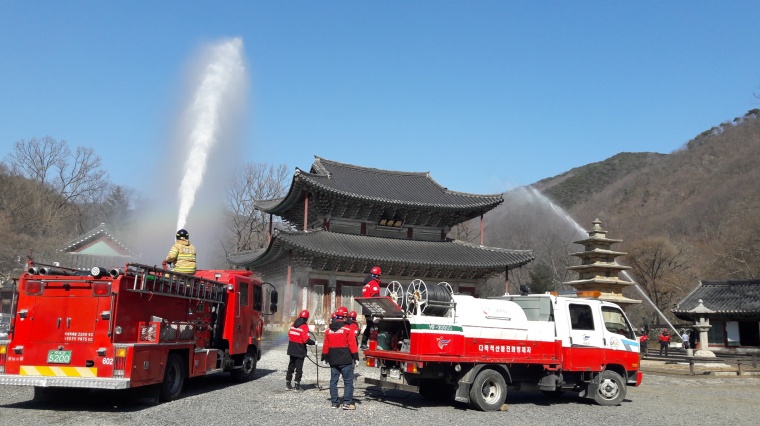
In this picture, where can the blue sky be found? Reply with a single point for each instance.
(485, 95)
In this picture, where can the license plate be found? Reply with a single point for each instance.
(394, 373)
(59, 357)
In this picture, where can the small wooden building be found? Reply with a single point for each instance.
(345, 219)
(97, 247)
(732, 309)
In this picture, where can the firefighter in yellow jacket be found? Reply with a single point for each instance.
(182, 254)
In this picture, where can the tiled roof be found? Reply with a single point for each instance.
(410, 189)
(724, 297)
(101, 230)
(402, 253)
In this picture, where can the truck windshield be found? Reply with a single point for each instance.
(616, 322)
(6, 311)
(6, 298)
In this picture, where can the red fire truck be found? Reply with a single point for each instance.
(132, 327)
(428, 340)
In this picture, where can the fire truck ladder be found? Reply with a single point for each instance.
(153, 280)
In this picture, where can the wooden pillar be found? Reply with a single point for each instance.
(481, 230)
(288, 288)
(305, 210)
(269, 237)
(506, 282)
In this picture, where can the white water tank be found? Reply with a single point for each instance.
(491, 317)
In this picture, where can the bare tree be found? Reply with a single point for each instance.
(67, 181)
(662, 270)
(46, 195)
(528, 221)
(734, 249)
(249, 227)
(74, 177)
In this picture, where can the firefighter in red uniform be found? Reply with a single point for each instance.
(352, 324)
(664, 341)
(643, 343)
(371, 289)
(298, 338)
(340, 352)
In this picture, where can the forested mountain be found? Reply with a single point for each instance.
(684, 216)
(581, 184)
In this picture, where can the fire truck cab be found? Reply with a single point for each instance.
(445, 345)
(132, 327)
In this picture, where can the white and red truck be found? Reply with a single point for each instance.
(130, 327)
(443, 345)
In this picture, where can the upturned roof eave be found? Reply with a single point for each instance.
(280, 245)
(597, 240)
(314, 182)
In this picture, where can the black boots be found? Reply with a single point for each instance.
(298, 386)
(288, 385)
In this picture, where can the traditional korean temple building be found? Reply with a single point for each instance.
(345, 219)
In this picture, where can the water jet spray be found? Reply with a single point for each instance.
(220, 76)
(562, 214)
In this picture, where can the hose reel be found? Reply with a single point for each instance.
(395, 291)
(433, 300)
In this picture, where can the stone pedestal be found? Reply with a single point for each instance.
(704, 354)
(703, 325)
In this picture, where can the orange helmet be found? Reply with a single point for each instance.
(304, 314)
(342, 311)
(376, 271)
(352, 314)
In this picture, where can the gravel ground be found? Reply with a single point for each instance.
(673, 399)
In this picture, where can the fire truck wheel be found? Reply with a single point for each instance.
(489, 391)
(174, 378)
(247, 369)
(611, 389)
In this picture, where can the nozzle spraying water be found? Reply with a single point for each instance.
(218, 81)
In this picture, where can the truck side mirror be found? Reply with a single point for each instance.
(273, 308)
(273, 297)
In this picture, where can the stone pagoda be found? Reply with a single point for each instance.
(599, 270)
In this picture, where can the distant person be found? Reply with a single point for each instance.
(685, 339)
(298, 338)
(693, 338)
(371, 289)
(664, 341)
(643, 343)
(182, 254)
